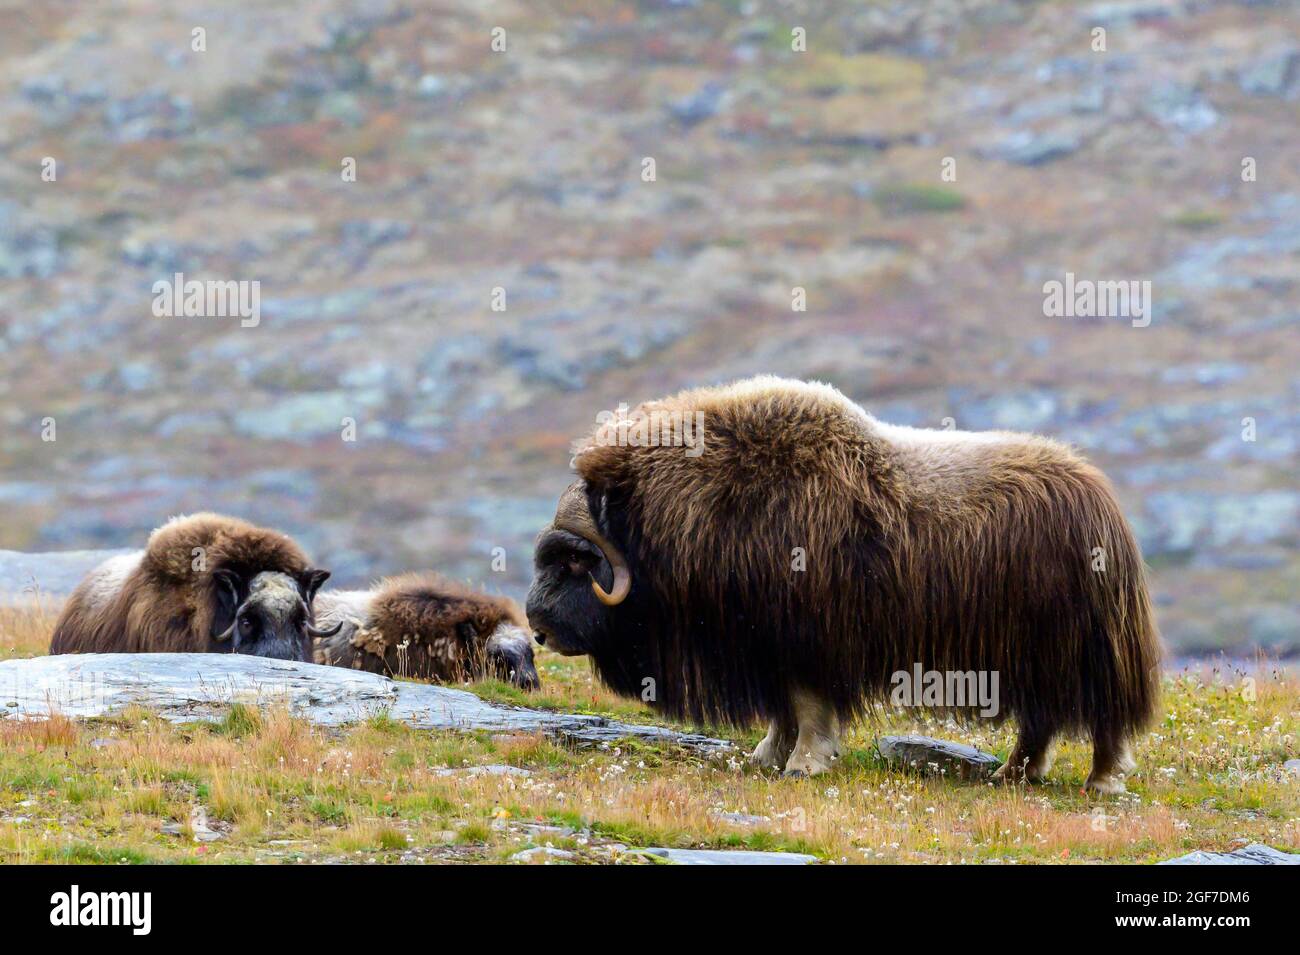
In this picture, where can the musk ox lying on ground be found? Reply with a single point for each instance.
(808, 553)
(428, 627)
(203, 584)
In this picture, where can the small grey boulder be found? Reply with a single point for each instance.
(927, 754)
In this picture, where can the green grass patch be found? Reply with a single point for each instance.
(85, 852)
(241, 720)
(474, 833)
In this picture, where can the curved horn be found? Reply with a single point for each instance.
(313, 631)
(227, 583)
(573, 515)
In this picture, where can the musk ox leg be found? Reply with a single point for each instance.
(777, 745)
(1111, 759)
(1127, 763)
(818, 742)
(1030, 760)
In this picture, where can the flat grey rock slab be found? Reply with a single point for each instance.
(53, 574)
(726, 857)
(182, 687)
(1254, 854)
(926, 754)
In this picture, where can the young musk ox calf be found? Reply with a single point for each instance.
(204, 584)
(428, 627)
(808, 553)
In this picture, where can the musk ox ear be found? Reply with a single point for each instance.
(228, 593)
(309, 582)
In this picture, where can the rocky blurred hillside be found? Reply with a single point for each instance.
(522, 170)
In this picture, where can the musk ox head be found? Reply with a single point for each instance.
(508, 656)
(269, 615)
(590, 596)
(574, 562)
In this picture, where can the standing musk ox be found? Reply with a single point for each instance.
(810, 552)
(204, 584)
(428, 627)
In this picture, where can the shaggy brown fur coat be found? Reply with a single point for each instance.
(419, 625)
(812, 545)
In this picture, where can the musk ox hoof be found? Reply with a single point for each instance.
(1010, 772)
(807, 764)
(773, 752)
(1108, 785)
(764, 757)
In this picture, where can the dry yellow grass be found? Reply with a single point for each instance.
(262, 786)
(25, 630)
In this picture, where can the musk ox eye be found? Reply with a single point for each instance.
(246, 626)
(579, 564)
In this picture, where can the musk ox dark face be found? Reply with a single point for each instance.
(269, 615)
(582, 602)
(563, 609)
(508, 656)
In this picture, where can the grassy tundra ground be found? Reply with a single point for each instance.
(261, 786)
